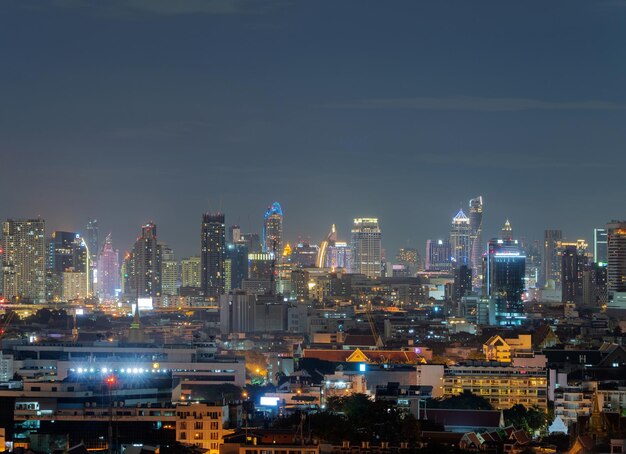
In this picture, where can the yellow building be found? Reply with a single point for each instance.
(502, 386)
(503, 349)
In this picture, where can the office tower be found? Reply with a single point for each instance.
(77, 279)
(460, 239)
(504, 277)
(60, 257)
(252, 241)
(551, 263)
(273, 229)
(93, 242)
(146, 260)
(329, 241)
(339, 257)
(476, 239)
(366, 247)
(410, 258)
(24, 260)
(169, 271)
(507, 231)
(573, 262)
(213, 254)
(190, 271)
(616, 257)
(108, 270)
(438, 255)
(234, 234)
(594, 284)
(237, 253)
(261, 266)
(462, 282)
(600, 245)
(304, 255)
(533, 252)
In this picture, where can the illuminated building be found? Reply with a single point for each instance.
(213, 255)
(329, 241)
(551, 262)
(260, 265)
(24, 267)
(502, 386)
(108, 270)
(146, 260)
(234, 234)
(600, 253)
(252, 241)
(60, 257)
(476, 240)
(616, 257)
(462, 282)
(92, 239)
(238, 256)
(504, 279)
(460, 239)
(273, 229)
(169, 271)
(304, 255)
(438, 255)
(573, 262)
(339, 256)
(190, 270)
(410, 258)
(366, 247)
(507, 231)
(75, 285)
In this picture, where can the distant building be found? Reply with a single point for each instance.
(146, 265)
(304, 255)
(108, 270)
(600, 253)
(190, 270)
(551, 263)
(213, 254)
(237, 253)
(476, 240)
(616, 258)
(573, 263)
(24, 260)
(504, 279)
(410, 258)
(169, 271)
(366, 247)
(460, 239)
(273, 229)
(438, 255)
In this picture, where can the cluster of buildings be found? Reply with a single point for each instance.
(96, 350)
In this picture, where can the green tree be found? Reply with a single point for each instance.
(464, 401)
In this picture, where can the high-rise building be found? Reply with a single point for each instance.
(108, 270)
(339, 257)
(504, 277)
(476, 239)
(213, 254)
(234, 234)
(366, 247)
(60, 258)
(169, 271)
(190, 271)
(573, 263)
(273, 229)
(304, 255)
(438, 255)
(616, 257)
(551, 262)
(507, 231)
(252, 242)
(93, 241)
(600, 254)
(24, 260)
(146, 259)
(237, 253)
(460, 239)
(462, 282)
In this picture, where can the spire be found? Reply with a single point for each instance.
(460, 217)
(507, 230)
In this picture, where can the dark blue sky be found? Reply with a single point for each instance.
(160, 110)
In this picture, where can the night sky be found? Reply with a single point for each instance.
(139, 110)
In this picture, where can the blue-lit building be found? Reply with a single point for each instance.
(273, 229)
(504, 279)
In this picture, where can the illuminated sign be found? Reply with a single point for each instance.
(269, 401)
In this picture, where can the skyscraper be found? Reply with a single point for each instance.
(108, 270)
(616, 248)
(410, 258)
(213, 254)
(238, 255)
(600, 246)
(507, 231)
(93, 241)
(190, 271)
(169, 271)
(573, 262)
(551, 262)
(146, 259)
(504, 278)
(273, 229)
(438, 255)
(476, 240)
(366, 247)
(24, 265)
(460, 239)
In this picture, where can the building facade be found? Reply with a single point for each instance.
(366, 247)
(460, 239)
(213, 254)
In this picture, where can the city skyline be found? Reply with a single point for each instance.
(447, 113)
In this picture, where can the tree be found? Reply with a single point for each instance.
(531, 419)
(464, 401)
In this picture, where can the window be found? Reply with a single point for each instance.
(198, 425)
(183, 425)
(183, 435)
